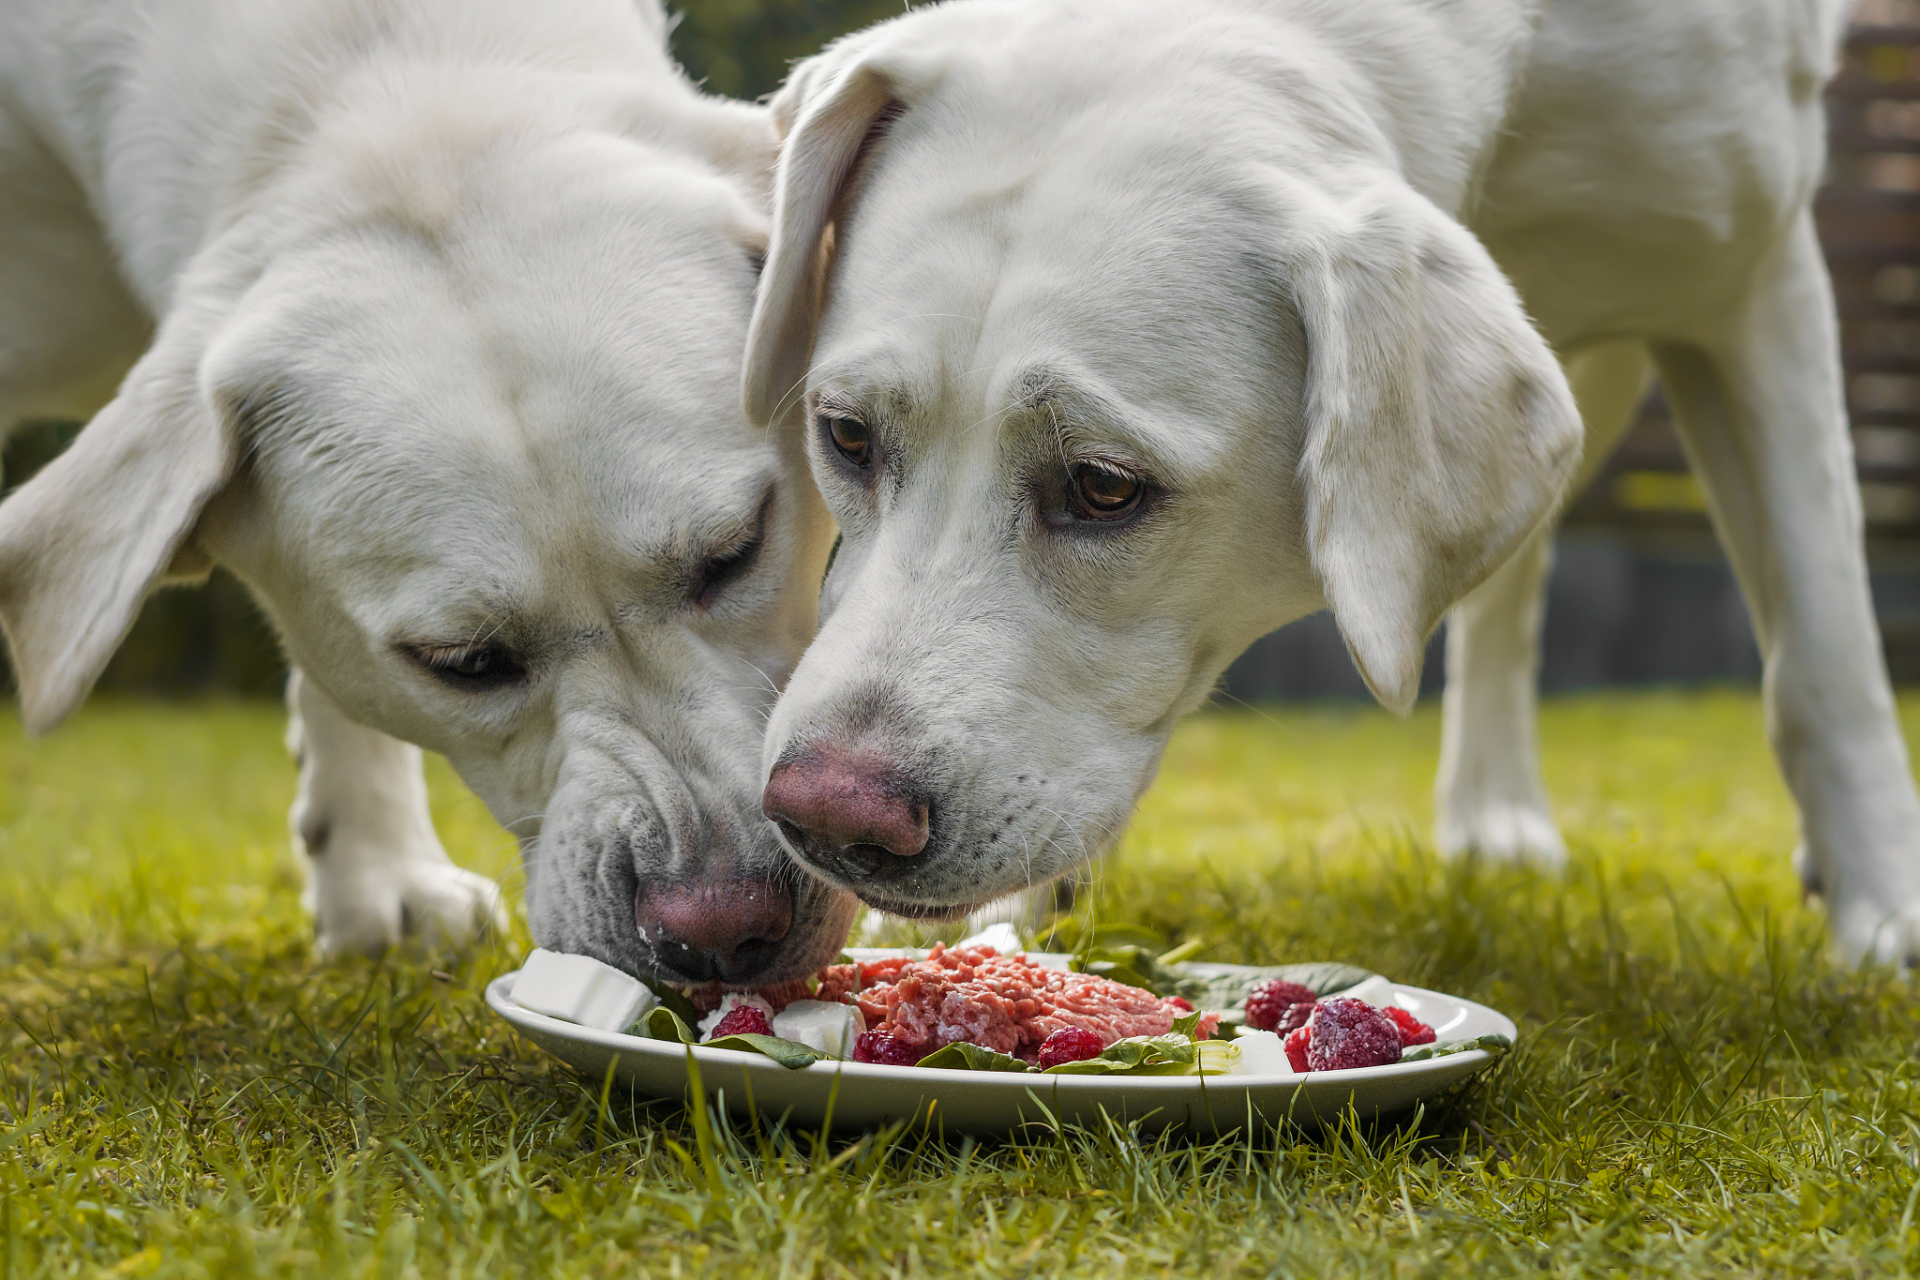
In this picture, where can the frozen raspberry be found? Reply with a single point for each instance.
(1412, 1030)
(1267, 1002)
(1070, 1044)
(1181, 1003)
(885, 1050)
(744, 1020)
(1345, 1033)
(1296, 1017)
(1296, 1046)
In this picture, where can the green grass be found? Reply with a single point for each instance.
(1697, 1090)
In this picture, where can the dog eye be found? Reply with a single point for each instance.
(851, 439)
(471, 666)
(716, 573)
(1100, 493)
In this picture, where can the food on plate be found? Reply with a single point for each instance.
(886, 1050)
(820, 1024)
(1009, 1004)
(1263, 1054)
(758, 1019)
(1296, 1048)
(1343, 1032)
(1269, 1003)
(583, 990)
(1412, 1030)
(975, 1007)
(1069, 1044)
(742, 1020)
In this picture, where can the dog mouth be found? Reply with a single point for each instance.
(931, 912)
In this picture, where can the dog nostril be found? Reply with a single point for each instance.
(691, 963)
(866, 861)
(833, 798)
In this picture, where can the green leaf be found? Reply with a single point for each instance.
(663, 1023)
(1227, 992)
(1187, 1023)
(790, 1054)
(1137, 1055)
(1139, 967)
(971, 1057)
(1494, 1044)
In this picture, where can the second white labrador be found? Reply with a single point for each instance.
(1120, 338)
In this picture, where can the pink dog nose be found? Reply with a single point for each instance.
(840, 802)
(727, 930)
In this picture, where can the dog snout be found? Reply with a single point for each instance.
(729, 931)
(850, 813)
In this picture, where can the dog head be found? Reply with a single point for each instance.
(456, 393)
(1114, 344)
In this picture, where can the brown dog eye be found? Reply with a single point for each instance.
(471, 666)
(1105, 495)
(853, 440)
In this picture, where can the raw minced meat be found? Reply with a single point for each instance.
(1005, 1003)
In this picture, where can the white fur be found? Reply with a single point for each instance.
(437, 307)
(1313, 268)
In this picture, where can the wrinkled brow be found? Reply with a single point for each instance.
(1086, 416)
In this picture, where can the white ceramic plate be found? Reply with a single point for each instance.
(856, 1095)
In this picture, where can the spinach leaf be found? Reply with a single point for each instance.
(1495, 1044)
(790, 1054)
(962, 1056)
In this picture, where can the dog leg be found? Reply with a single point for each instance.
(1763, 417)
(376, 872)
(1488, 797)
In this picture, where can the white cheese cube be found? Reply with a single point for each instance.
(1376, 991)
(1262, 1053)
(1002, 937)
(820, 1024)
(581, 989)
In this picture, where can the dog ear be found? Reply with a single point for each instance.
(1440, 428)
(85, 540)
(832, 111)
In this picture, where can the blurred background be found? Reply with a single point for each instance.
(1640, 592)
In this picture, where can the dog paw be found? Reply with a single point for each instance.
(1501, 831)
(435, 904)
(1866, 932)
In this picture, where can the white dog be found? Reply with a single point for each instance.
(1122, 334)
(433, 310)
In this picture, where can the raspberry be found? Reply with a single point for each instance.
(1181, 1003)
(1412, 1030)
(1296, 1017)
(1070, 1044)
(1296, 1046)
(1345, 1033)
(744, 1020)
(1268, 1001)
(885, 1050)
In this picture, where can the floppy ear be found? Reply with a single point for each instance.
(1440, 427)
(831, 112)
(83, 542)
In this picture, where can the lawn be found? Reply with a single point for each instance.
(1697, 1091)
